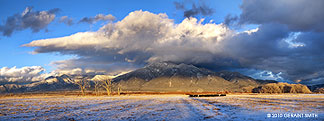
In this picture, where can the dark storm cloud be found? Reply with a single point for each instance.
(196, 9)
(267, 49)
(35, 20)
(99, 17)
(308, 61)
(260, 44)
(298, 57)
(298, 15)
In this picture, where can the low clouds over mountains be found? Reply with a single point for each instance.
(24, 74)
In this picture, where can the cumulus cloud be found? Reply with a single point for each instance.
(24, 74)
(35, 20)
(143, 37)
(66, 20)
(196, 9)
(99, 17)
(134, 41)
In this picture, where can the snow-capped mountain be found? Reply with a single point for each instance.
(52, 83)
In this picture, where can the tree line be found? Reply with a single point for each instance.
(104, 83)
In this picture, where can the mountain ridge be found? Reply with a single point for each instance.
(160, 77)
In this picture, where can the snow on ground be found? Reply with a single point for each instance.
(164, 107)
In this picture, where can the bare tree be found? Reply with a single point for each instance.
(82, 85)
(96, 86)
(118, 90)
(108, 86)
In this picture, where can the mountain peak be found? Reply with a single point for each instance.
(161, 65)
(164, 69)
(169, 65)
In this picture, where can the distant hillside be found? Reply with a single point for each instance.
(282, 88)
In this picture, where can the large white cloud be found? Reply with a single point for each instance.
(139, 38)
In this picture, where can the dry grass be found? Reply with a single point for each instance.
(154, 107)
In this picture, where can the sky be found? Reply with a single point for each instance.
(278, 40)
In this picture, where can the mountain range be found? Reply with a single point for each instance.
(156, 77)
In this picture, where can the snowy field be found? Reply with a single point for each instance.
(164, 107)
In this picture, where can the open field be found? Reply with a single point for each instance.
(164, 107)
